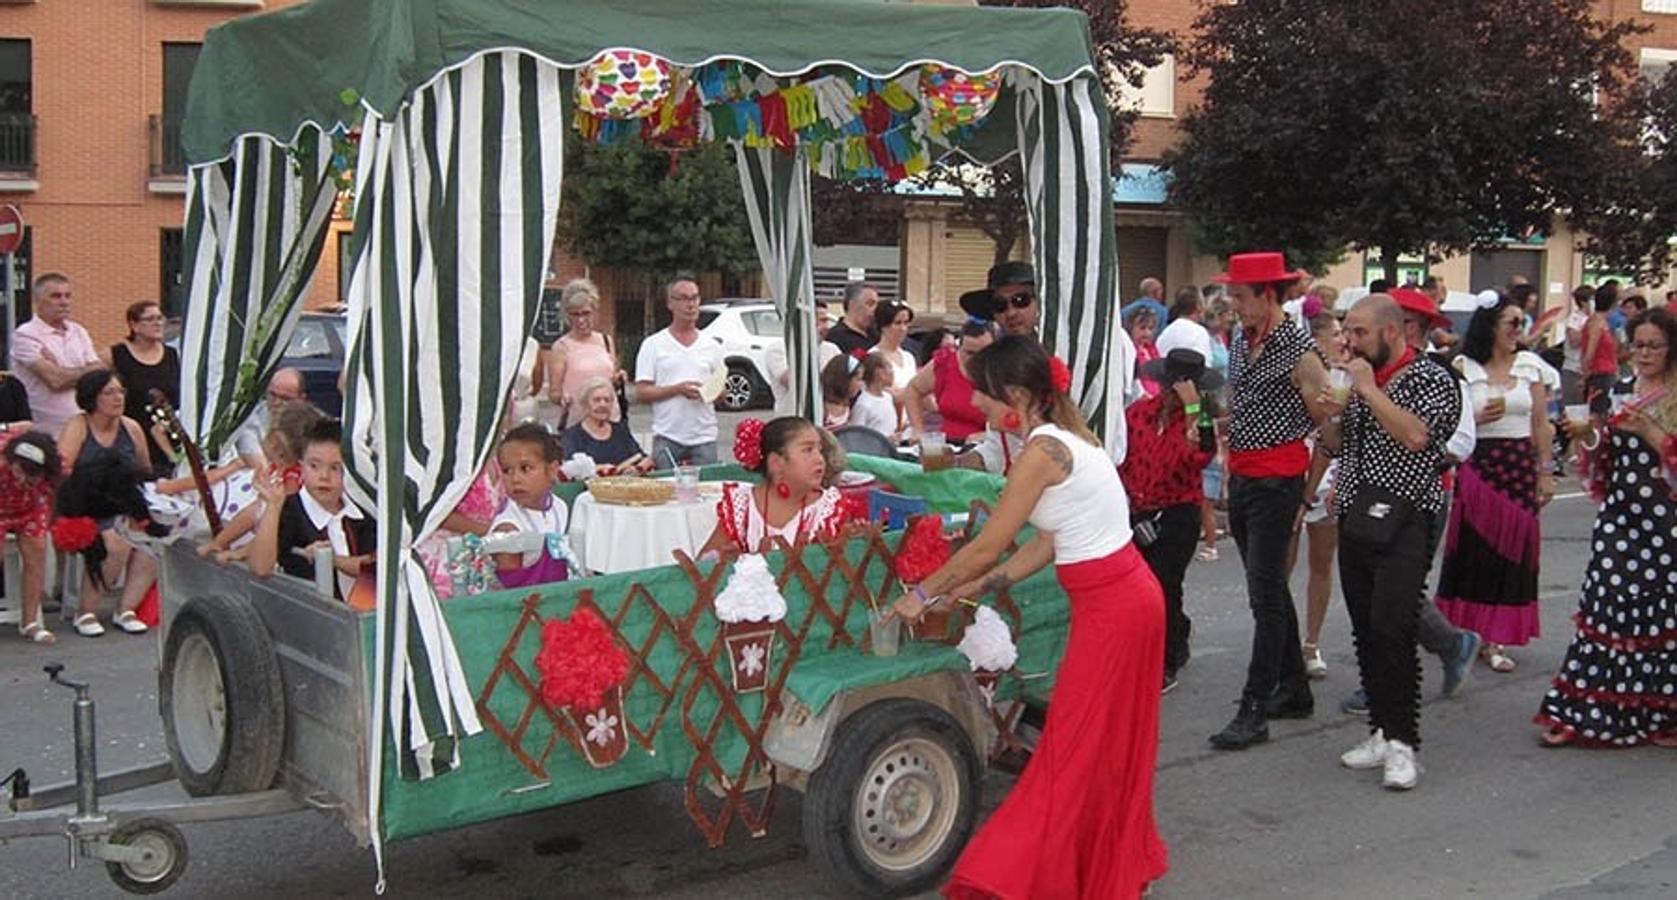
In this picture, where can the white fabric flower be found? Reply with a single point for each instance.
(751, 594)
(751, 659)
(602, 727)
(580, 467)
(987, 643)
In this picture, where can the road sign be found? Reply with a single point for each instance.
(11, 229)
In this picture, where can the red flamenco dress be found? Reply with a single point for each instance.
(1079, 822)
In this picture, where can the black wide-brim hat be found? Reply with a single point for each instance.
(1181, 364)
(982, 303)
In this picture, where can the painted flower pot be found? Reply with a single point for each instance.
(750, 650)
(604, 731)
(987, 680)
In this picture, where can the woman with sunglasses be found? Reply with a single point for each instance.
(1488, 583)
(144, 362)
(946, 383)
(1616, 685)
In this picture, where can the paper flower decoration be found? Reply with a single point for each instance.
(987, 643)
(923, 551)
(74, 534)
(622, 84)
(751, 594)
(580, 467)
(579, 661)
(956, 99)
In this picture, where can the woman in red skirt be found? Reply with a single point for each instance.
(1079, 822)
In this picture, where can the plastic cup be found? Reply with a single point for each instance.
(885, 630)
(934, 451)
(1339, 386)
(1578, 419)
(686, 483)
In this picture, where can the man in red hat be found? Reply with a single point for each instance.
(1276, 380)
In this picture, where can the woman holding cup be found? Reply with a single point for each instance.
(1615, 687)
(1488, 583)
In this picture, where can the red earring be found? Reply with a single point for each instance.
(783, 489)
(1011, 420)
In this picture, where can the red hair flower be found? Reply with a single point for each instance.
(1059, 375)
(923, 551)
(859, 354)
(74, 534)
(748, 443)
(579, 661)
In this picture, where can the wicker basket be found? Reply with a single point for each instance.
(631, 491)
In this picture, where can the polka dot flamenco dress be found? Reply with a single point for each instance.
(1617, 686)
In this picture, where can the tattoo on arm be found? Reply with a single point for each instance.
(1059, 453)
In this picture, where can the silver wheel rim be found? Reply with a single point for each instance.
(159, 856)
(906, 804)
(199, 703)
(738, 391)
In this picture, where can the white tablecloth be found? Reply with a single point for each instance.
(609, 538)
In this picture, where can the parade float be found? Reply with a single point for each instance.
(440, 124)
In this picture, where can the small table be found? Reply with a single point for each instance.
(610, 538)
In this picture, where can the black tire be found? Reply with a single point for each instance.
(166, 859)
(742, 390)
(221, 698)
(899, 754)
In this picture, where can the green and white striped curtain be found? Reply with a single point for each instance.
(776, 188)
(1063, 134)
(255, 225)
(458, 199)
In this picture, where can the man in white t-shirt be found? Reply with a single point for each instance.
(672, 371)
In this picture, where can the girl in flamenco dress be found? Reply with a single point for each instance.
(792, 503)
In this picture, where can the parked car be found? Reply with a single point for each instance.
(745, 328)
(318, 349)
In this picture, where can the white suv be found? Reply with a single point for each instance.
(745, 329)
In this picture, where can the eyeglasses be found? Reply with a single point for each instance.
(151, 320)
(1647, 347)
(1021, 301)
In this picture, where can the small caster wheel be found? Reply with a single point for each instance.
(163, 861)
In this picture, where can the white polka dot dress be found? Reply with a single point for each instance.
(1617, 686)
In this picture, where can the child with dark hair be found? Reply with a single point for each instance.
(841, 381)
(317, 517)
(28, 475)
(792, 503)
(530, 456)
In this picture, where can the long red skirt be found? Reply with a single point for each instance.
(1079, 822)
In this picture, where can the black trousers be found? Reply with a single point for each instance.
(1380, 582)
(1168, 556)
(1261, 513)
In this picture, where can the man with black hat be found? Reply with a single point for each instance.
(1009, 298)
(1276, 377)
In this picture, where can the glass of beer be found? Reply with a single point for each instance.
(934, 452)
(1578, 420)
(1339, 386)
(1496, 400)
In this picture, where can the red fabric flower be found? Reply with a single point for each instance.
(1059, 374)
(748, 443)
(74, 534)
(924, 549)
(579, 661)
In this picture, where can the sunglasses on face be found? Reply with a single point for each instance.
(1021, 301)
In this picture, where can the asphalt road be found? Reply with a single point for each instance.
(1494, 815)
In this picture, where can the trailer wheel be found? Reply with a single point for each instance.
(889, 811)
(222, 703)
(164, 857)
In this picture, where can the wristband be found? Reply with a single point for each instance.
(925, 602)
(1192, 409)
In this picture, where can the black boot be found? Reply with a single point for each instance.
(1249, 727)
(1293, 702)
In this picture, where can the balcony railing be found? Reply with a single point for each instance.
(168, 159)
(17, 144)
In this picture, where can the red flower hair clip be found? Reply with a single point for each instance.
(74, 533)
(748, 443)
(1059, 375)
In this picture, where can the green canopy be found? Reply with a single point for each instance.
(271, 74)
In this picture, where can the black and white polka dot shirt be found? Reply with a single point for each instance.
(1369, 455)
(1265, 407)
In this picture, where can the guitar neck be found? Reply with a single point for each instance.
(194, 461)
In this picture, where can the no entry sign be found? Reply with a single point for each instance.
(11, 229)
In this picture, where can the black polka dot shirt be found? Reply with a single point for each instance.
(1265, 407)
(1369, 455)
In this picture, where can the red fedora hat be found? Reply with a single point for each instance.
(1257, 268)
(1413, 301)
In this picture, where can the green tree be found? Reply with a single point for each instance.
(1632, 229)
(1421, 127)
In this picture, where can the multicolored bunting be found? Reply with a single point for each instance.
(955, 98)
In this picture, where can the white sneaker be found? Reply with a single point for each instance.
(1370, 754)
(1402, 771)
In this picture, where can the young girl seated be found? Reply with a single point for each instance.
(529, 458)
(29, 472)
(293, 528)
(239, 500)
(791, 503)
(875, 408)
(841, 381)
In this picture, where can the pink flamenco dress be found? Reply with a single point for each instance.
(483, 499)
(1078, 825)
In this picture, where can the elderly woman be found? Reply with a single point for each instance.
(581, 355)
(599, 434)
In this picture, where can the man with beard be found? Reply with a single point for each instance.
(1391, 441)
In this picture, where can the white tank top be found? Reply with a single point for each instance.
(1088, 513)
